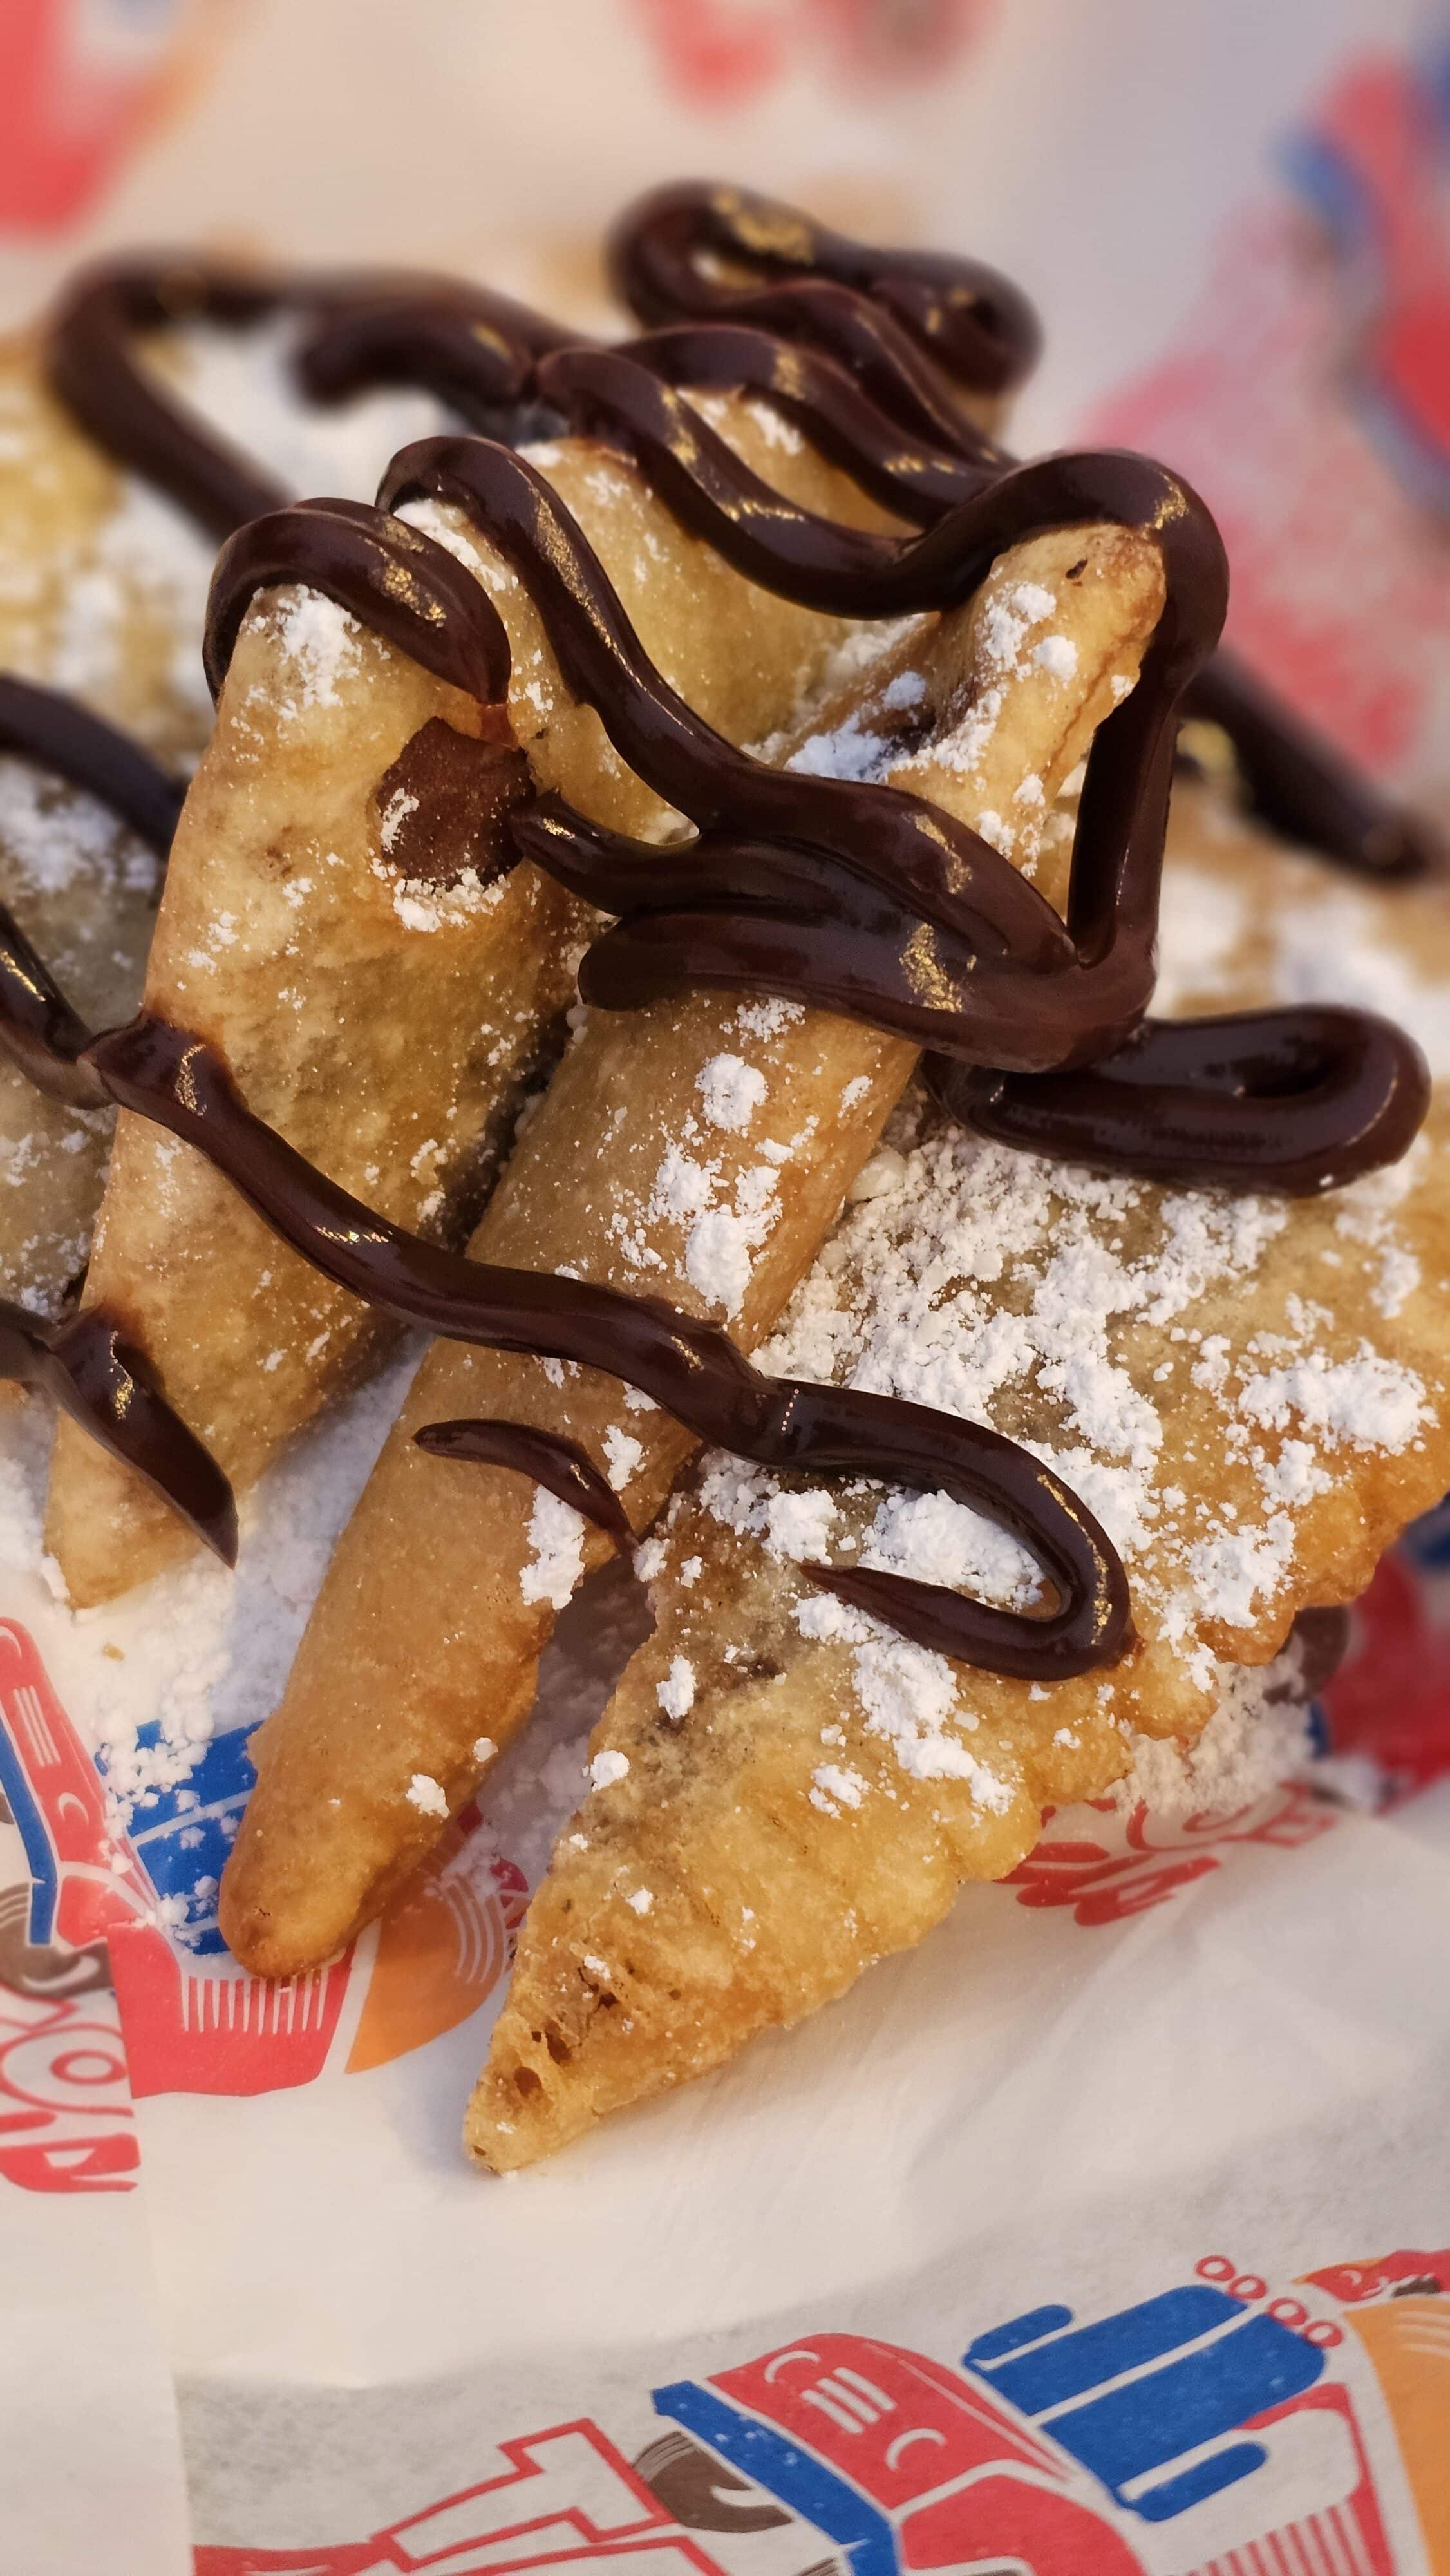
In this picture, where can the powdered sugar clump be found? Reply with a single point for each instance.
(150, 1680)
(556, 1535)
(322, 641)
(732, 1091)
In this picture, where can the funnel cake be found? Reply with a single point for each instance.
(696, 1150)
(1251, 1393)
(343, 918)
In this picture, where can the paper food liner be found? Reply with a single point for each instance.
(1108, 2231)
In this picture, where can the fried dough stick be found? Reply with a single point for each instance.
(335, 925)
(698, 1151)
(1252, 1395)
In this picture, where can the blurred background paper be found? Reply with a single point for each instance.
(1091, 147)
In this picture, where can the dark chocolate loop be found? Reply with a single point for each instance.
(840, 1431)
(915, 476)
(664, 258)
(1302, 786)
(39, 1031)
(472, 349)
(105, 1384)
(395, 580)
(559, 1465)
(936, 977)
(57, 733)
(1297, 781)
(1296, 1101)
(690, 1367)
(92, 364)
(359, 328)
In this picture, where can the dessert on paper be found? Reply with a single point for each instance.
(1130, 1348)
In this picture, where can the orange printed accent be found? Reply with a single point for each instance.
(441, 1951)
(1408, 2343)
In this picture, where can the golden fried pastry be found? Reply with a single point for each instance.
(696, 1150)
(375, 971)
(1252, 1395)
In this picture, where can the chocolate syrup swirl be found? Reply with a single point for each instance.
(690, 1367)
(547, 1457)
(1296, 1101)
(408, 589)
(92, 365)
(859, 898)
(1300, 784)
(1294, 777)
(897, 330)
(57, 733)
(105, 1384)
(855, 897)
(359, 328)
(666, 254)
(40, 1030)
(472, 349)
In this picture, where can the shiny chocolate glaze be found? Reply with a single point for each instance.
(57, 732)
(859, 898)
(391, 577)
(104, 1383)
(40, 1030)
(854, 897)
(706, 252)
(904, 332)
(1296, 1101)
(690, 1367)
(549, 1459)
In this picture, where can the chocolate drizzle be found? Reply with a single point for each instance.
(848, 338)
(92, 365)
(690, 1367)
(853, 897)
(38, 1027)
(409, 590)
(1296, 1101)
(1301, 785)
(57, 733)
(666, 253)
(105, 1384)
(859, 898)
(550, 1460)
(472, 348)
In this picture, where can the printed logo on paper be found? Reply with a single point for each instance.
(725, 53)
(138, 1910)
(1213, 2429)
